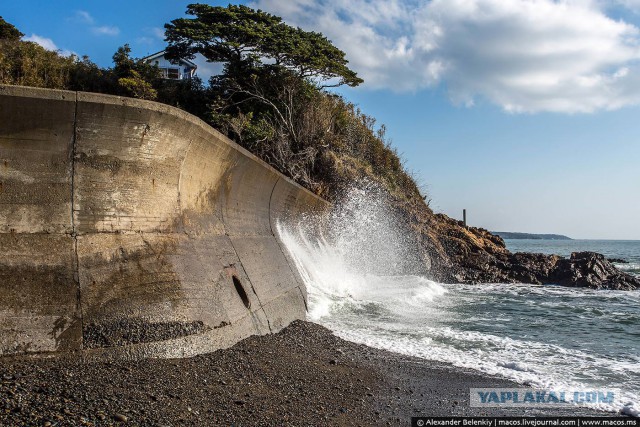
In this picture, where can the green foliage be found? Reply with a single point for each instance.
(136, 87)
(122, 61)
(270, 99)
(8, 31)
(135, 77)
(189, 94)
(88, 77)
(28, 64)
(276, 109)
(244, 38)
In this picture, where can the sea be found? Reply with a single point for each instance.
(547, 337)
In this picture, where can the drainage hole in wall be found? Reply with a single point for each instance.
(241, 292)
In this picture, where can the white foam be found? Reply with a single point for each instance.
(415, 316)
(630, 410)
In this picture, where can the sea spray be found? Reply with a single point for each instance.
(352, 261)
(352, 250)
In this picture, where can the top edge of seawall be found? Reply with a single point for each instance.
(99, 98)
(38, 92)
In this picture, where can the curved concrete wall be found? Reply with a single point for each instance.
(130, 229)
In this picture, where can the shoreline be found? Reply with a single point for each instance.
(304, 375)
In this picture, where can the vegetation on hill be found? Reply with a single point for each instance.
(271, 96)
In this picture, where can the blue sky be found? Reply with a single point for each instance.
(524, 112)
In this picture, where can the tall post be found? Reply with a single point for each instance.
(464, 217)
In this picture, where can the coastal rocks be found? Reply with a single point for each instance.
(462, 254)
(581, 270)
(592, 270)
(533, 268)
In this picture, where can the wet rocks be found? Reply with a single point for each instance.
(618, 260)
(592, 270)
(473, 255)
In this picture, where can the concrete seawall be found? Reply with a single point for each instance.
(131, 229)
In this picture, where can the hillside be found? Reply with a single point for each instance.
(531, 236)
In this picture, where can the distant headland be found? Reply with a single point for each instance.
(512, 235)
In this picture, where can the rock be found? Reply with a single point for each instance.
(618, 260)
(592, 270)
(120, 418)
(474, 255)
(461, 254)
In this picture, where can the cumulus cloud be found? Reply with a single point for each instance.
(523, 55)
(47, 43)
(42, 41)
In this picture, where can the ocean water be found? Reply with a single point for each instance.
(543, 336)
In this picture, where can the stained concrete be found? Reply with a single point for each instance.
(118, 215)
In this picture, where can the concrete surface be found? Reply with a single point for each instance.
(130, 229)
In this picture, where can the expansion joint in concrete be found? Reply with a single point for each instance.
(74, 232)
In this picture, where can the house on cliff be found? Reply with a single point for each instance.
(181, 70)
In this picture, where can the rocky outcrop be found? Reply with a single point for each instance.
(592, 270)
(460, 254)
(465, 261)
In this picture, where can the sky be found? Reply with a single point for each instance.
(524, 112)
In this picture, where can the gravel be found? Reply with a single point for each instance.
(301, 376)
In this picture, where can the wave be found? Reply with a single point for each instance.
(544, 336)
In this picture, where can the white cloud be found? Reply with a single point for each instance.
(84, 16)
(523, 55)
(206, 69)
(106, 30)
(42, 41)
(48, 44)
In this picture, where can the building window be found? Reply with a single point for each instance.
(173, 73)
(170, 73)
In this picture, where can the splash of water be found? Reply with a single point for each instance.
(361, 253)
(352, 265)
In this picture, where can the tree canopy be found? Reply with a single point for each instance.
(243, 38)
(8, 31)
